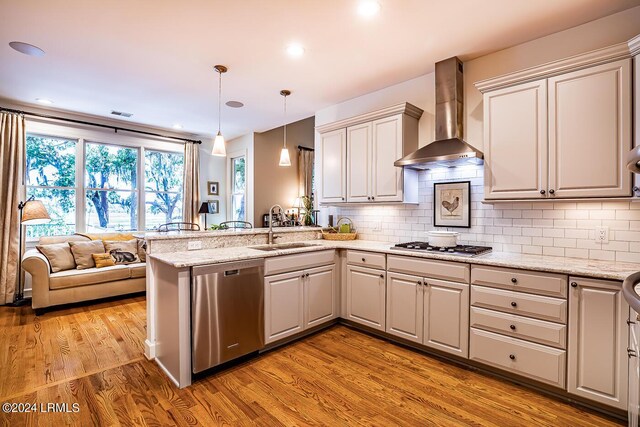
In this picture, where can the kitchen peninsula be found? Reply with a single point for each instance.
(470, 309)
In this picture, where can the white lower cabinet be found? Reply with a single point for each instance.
(366, 296)
(298, 300)
(428, 311)
(598, 361)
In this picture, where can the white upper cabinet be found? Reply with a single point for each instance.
(333, 166)
(387, 179)
(590, 131)
(371, 143)
(359, 163)
(560, 130)
(515, 147)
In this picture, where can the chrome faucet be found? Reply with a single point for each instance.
(271, 222)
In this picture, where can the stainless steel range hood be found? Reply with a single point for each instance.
(448, 149)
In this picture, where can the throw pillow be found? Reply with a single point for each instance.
(142, 250)
(82, 252)
(123, 252)
(59, 256)
(103, 260)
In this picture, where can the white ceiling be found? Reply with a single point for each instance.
(154, 58)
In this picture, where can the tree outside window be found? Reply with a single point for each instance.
(163, 187)
(238, 190)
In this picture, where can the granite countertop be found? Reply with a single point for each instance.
(172, 235)
(572, 266)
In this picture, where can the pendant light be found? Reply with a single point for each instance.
(218, 144)
(285, 160)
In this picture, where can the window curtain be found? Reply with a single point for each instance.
(305, 172)
(12, 157)
(191, 182)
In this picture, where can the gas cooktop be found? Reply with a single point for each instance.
(462, 250)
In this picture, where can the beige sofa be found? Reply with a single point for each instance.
(63, 287)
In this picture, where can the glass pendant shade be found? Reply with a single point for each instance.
(219, 146)
(285, 160)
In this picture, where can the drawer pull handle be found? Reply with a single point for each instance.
(574, 285)
(513, 327)
(631, 352)
(514, 280)
(514, 304)
(512, 356)
(364, 260)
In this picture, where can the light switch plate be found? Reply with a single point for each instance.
(194, 245)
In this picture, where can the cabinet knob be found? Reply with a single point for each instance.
(419, 283)
(574, 285)
(373, 198)
(542, 191)
(514, 304)
(368, 198)
(343, 198)
(514, 280)
(382, 276)
(307, 275)
(364, 260)
(302, 277)
(552, 191)
(512, 356)
(513, 327)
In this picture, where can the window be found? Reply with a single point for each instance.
(51, 177)
(91, 186)
(238, 189)
(111, 182)
(163, 187)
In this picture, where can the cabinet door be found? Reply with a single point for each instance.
(333, 166)
(446, 316)
(366, 296)
(404, 306)
(283, 310)
(359, 163)
(590, 131)
(319, 295)
(598, 366)
(387, 179)
(515, 142)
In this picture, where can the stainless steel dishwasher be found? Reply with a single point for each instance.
(227, 312)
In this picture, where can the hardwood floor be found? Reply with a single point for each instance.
(92, 356)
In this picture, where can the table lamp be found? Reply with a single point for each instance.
(206, 208)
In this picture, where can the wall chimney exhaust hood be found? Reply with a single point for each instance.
(448, 149)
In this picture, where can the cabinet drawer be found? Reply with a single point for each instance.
(366, 259)
(539, 331)
(535, 361)
(520, 280)
(286, 263)
(444, 270)
(540, 307)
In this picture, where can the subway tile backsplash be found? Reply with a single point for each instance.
(544, 228)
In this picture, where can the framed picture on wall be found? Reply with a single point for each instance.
(214, 206)
(452, 204)
(213, 188)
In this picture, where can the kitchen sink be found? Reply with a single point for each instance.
(281, 246)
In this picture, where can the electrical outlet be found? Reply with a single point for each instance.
(194, 245)
(376, 226)
(602, 235)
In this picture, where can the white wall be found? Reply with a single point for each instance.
(213, 168)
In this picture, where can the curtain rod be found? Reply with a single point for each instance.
(115, 128)
(300, 147)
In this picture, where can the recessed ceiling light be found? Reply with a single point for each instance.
(44, 101)
(368, 8)
(295, 49)
(26, 48)
(177, 126)
(234, 104)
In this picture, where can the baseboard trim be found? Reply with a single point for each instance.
(149, 349)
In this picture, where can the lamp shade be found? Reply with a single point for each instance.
(285, 160)
(34, 213)
(297, 204)
(206, 208)
(218, 146)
